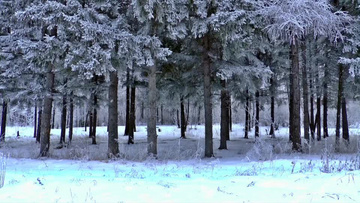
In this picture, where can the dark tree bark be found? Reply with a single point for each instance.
(63, 120)
(318, 117)
(257, 114)
(46, 115)
(306, 121)
(151, 115)
(132, 115)
(207, 98)
(71, 118)
(247, 115)
(199, 115)
(162, 114)
(338, 108)
(3, 120)
(127, 113)
(178, 118)
(295, 97)
(90, 124)
(325, 103)
(345, 126)
(230, 117)
(39, 123)
(224, 127)
(53, 116)
(94, 121)
(113, 143)
(272, 106)
(312, 117)
(183, 123)
(35, 120)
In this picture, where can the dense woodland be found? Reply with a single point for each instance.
(78, 54)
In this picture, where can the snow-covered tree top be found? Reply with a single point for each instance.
(289, 19)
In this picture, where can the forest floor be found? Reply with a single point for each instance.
(265, 170)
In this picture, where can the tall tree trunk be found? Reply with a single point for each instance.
(224, 127)
(53, 116)
(127, 113)
(182, 118)
(151, 115)
(295, 97)
(94, 120)
(90, 124)
(230, 117)
(338, 108)
(272, 106)
(312, 117)
(247, 116)
(35, 120)
(199, 115)
(113, 143)
(257, 114)
(63, 120)
(46, 115)
(3, 120)
(132, 115)
(207, 99)
(71, 121)
(305, 94)
(178, 118)
(162, 114)
(142, 111)
(345, 125)
(39, 122)
(318, 117)
(325, 103)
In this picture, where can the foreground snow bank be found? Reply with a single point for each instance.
(210, 180)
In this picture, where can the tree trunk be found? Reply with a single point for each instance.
(199, 115)
(94, 121)
(345, 125)
(63, 120)
(338, 108)
(53, 116)
(162, 114)
(305, 94)
(178, 118)
(151, 115)
(35, 120)
(224, 127)
(247, 114)
(71, 122)
(132, 115)
(90, 124)
(39, 122)
(127, 113)
(183, 118)
(257, 113)
(230, 117)
(3, 120)
(113, 143)
(325, 103)
(207, 99)
(295, 97)
(272, 106)
(318, 118)
(312, 119)
(46, 115)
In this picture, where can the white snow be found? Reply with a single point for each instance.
(263, 172)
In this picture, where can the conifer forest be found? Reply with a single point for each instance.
(148, 100)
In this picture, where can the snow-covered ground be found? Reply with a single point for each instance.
(249, 171)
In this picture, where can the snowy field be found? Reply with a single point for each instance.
(249, 171)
